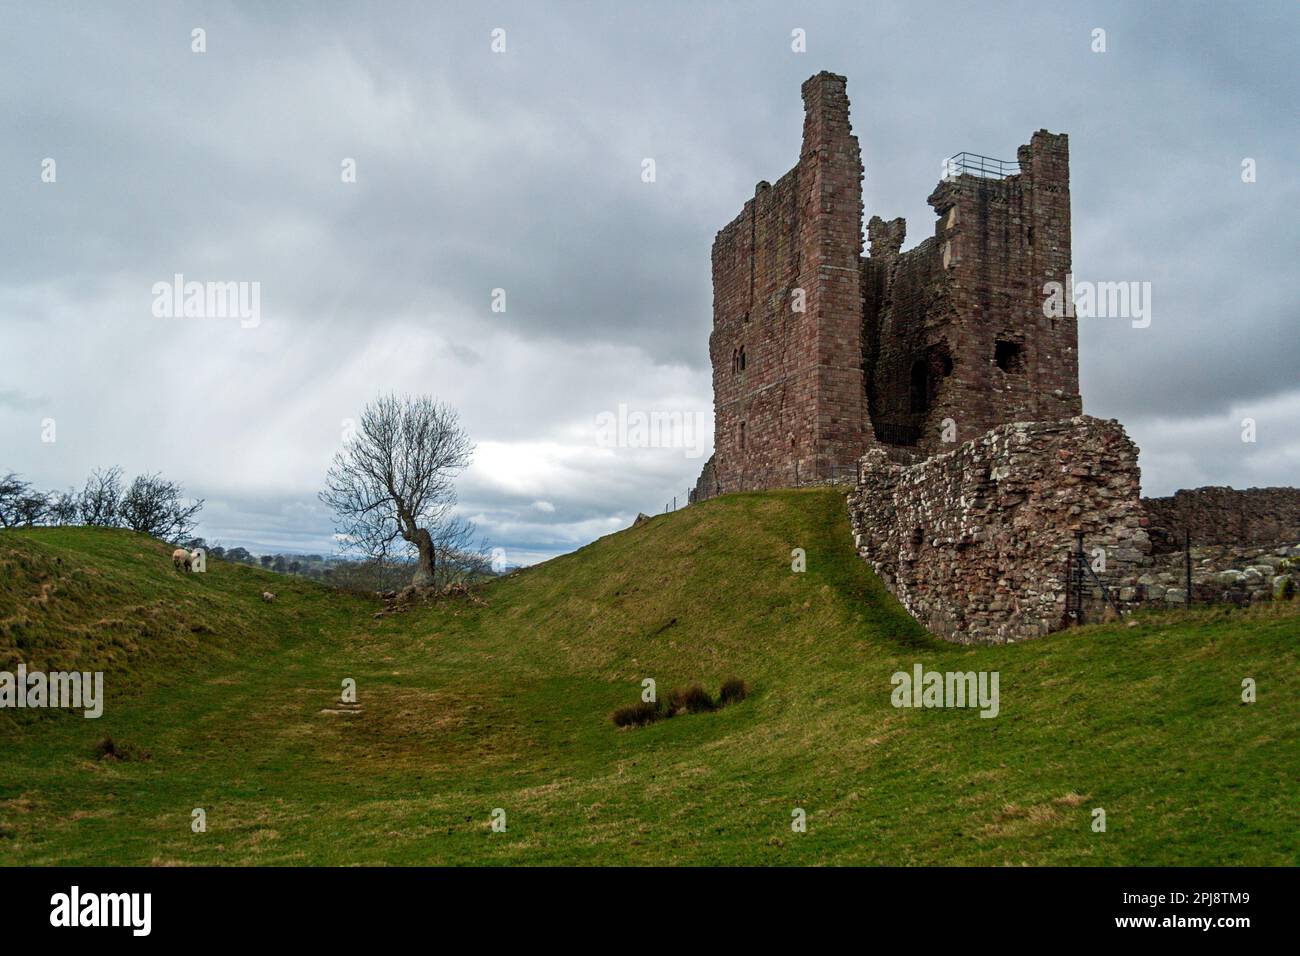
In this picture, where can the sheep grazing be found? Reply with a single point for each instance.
(268, 597)
(182, 559)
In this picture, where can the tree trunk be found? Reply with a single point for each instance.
(424, 565)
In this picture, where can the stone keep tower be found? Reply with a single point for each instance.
(789, 399)
(819, 353)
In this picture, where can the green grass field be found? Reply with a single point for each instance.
(226, 702)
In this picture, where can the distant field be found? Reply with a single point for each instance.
(224, 700)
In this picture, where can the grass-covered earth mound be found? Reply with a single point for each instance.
(220, 701)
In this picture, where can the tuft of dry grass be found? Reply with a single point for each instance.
(638, 714)
(733, 691)
(693, 699)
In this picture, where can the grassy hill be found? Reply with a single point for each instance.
(230, 704)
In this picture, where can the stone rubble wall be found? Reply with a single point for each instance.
(1229, 516)
(1221, 574)
(975, 543)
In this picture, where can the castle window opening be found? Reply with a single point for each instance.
(742, 436)
(1009, 356)
(742, 358)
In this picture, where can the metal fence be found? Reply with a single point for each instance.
(678, 501)
(1084, 584)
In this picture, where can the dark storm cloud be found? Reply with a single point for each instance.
(522, 171)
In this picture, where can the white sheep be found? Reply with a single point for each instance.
(268, 597)
(182, 559)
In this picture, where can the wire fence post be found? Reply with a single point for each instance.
(1079, 559)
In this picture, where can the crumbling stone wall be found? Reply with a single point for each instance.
(975, 542)
(1218, 515)
(706, 486)
(1221, 574)
(908, 307)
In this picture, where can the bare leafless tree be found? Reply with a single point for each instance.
(156, 507)
(100, 500)
(393, 481)
(64, 507)
(21, 505)
(12, 488)
(33, 508)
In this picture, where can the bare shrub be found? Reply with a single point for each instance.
(156, 507)
(21, 505)
(101, 498)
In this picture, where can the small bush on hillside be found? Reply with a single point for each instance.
(638, 714)
(110, 749)
(691, 700)
(733, 691)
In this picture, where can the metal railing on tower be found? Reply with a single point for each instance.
(973, 164)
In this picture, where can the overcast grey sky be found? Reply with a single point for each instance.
(521, 171)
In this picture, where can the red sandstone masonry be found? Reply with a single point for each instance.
(889, 346)
(935, 315)
(796, 411)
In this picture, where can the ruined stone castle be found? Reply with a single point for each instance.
(934, 380)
